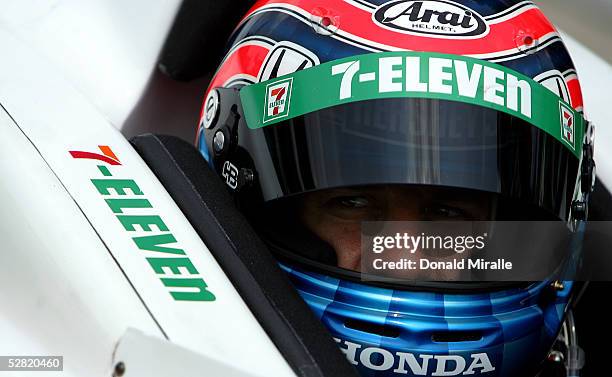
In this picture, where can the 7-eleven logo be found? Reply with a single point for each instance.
(278, 99)
(567, 124)
(107, 155)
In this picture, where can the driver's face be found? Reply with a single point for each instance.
(335, 215)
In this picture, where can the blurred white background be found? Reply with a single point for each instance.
(588, 21)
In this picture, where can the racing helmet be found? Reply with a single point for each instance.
(472, 99)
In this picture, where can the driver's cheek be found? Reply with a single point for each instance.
(345, 238)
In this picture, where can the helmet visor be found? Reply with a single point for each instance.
(418, 142)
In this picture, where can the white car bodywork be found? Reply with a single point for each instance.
(73, 283)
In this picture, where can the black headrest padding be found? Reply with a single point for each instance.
(264, 287)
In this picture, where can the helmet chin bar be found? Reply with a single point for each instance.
(566, 358)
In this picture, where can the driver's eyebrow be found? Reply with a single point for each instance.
(449, 197)
(462, 200)
(349, 191)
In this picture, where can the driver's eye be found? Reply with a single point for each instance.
(445, 212)
(356, 202)
(353, 207)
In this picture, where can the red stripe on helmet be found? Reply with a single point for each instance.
(244, 60)
(503, 36)
(575, 93)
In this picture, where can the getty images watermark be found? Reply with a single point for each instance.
(410, 244)
(467, 250)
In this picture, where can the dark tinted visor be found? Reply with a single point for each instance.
(418, 142)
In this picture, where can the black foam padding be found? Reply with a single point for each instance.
(265, 288)
(198, 37)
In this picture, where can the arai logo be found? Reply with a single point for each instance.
(437, 18)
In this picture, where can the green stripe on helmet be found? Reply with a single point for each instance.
(407, 74)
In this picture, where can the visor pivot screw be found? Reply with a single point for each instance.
(249, 176)
(119, 369)
(211, 109)
(558, 285)
(219, 141)
(579, 210)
